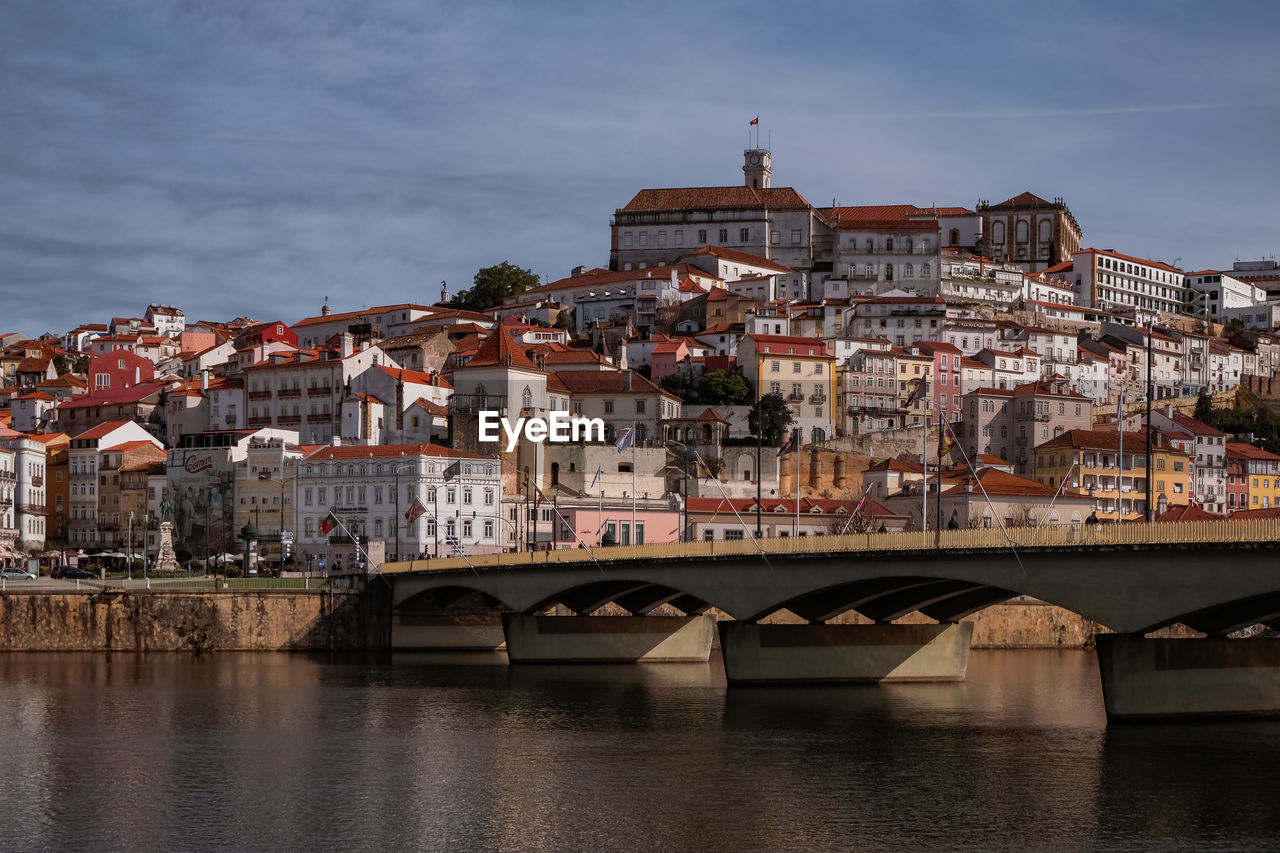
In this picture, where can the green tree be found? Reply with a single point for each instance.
(724, 388)
(715, 466)
(493, 284)
(675, 383)
(1233, 327)
(774, 415)
(1204, 408)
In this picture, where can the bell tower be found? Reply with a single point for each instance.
(756, 168)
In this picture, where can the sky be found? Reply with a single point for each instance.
(249, 158)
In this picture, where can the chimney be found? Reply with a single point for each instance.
(1168, 411)
(204, 379)
(675, 280)
(346, 344)
(626, 380)
(622, 355)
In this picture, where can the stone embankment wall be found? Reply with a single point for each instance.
(164, 621)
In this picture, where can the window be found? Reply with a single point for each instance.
(733, 535)
(775, 238)
(724, 235)
(774, 366)
(743, 235)
(796, 367)
(702, 235)
(795, 236)
(608, 407)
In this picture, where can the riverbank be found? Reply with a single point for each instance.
(300, 620)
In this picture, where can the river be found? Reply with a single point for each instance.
(291, 752)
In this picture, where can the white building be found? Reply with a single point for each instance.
(1106, 279)
(29, 505)
(456, 498)
(1210, 294)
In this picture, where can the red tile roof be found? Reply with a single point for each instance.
(727, 254)
(500, 349)
(717, 198)
(1114, 254)
(384, 451)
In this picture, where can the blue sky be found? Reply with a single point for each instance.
(250, 158)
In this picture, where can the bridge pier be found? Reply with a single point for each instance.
(456, 632)
(606, 639)
(1213, 676)
(869, 653)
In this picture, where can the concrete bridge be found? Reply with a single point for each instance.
(1216, 577)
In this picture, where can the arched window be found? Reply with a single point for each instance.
(955, 237)
(526, 399)
(997, 232)
(1046, 229)
(1021, 230)
(819, 434)
(888, 272)
(909, 271)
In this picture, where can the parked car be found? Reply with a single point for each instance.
(16, 574)
(72, 573)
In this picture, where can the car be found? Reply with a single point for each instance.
(15, 574)
(72, 573)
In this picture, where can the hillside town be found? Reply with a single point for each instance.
(761, 367)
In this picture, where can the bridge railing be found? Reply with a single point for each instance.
(1098, 535)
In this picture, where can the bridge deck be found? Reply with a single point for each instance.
(1096, 535)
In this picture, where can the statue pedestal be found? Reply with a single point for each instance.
(166, 559)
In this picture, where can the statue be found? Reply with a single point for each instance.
(166, 508)
(166, 559)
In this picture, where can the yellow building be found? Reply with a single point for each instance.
(913, 367)
(802, 371)
(1087, 459)
(1253, 477)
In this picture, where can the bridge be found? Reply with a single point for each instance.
(1216, 577)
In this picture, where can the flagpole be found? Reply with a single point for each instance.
(633, 484)
(1120, 457)
(938, 519)
(755, 541)
(796, 530)
(924, 467)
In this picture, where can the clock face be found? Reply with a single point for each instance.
(755, 159)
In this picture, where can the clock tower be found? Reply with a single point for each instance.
(756, 168)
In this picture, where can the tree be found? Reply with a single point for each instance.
(1204, 408)
(774, 415)
(493, 284)
(675, 383)
(1233, 327)
(715, 466)
(723, 388)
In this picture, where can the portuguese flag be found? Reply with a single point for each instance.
(330, 523)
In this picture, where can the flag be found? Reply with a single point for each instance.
(946, 441)
(917, 393)
(702, 466)
(596, 478)
(452, 471)
(626, 440)
(415, 512)
(755, 120)
(791, 444)
(330, 523)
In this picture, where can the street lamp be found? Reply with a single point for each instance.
(283, 482)
(684, 467)
(408, 466)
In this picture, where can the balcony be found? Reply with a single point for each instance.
(260, 422)
(319, 391)
(289, 420)
(289, 393)
(818, 398)
(796, 398)
(259, 395)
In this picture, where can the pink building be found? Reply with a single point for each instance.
(947, 386)
(616, 524)
(119, 369)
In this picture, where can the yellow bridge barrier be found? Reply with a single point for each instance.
(1102, 535)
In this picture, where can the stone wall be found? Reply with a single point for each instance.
(164, 621)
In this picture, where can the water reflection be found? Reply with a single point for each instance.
(419, 751)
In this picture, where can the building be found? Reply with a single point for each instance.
(1093, 464)
(1215, 296)
(801, 371)
(887, 247)
(659, 225)
(1106, 279)
(91, 522)
(1029, 231)
(1253, 477)
(1011, 422)
(1208, 447)
(29, 497)
(456, 498)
